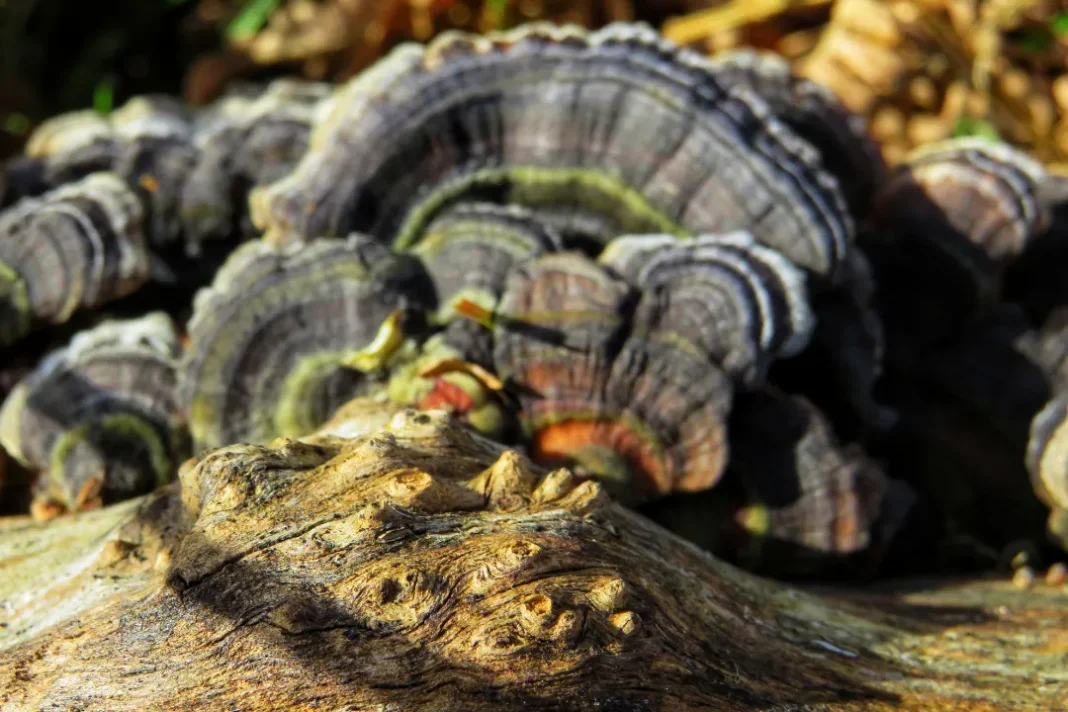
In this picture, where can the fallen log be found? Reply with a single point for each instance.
(420, 567)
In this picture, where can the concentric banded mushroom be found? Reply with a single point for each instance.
(948, 222)
(740, 304)
(813, 111)
(966, 372)
(415, 256)
(77, 247)
(100, 417)
(154, 153)
(148, 142)
(467, 251)
(794, 501)
(244, 142)
(269, 340)
(602, 134)
(644, 413)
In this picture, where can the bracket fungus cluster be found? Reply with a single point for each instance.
(100, 416)
(691, 279)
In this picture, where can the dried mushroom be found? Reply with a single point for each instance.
(99, 417)
(76, 247)
(602, 133)
(270, 341)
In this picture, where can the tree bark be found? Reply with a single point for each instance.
(419, 567)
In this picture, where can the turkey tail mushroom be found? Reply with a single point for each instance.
(794, 501)
(270, 340)
(815, 113)
(605, 133)
(147, 141)
(467, 251)
(644, 417)
(241, 143)
(947, 224)
(76, 247)
(740, 303)
(964, 368)
(100, 417)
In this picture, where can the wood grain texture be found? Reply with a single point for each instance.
(419, 567)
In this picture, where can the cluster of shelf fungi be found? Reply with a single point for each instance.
(691, 280)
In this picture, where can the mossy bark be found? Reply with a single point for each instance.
(418, 567)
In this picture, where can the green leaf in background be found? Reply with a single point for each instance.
(1058, 24)
(1035, 41)
(971, 126)
(17, 124)
(104, 97)
(252, 17)
(497, 9)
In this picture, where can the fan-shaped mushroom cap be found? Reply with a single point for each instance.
(948, 221)
(148, 141)
(794, 501)
(816, 114)
(245, 142)
(100, 417)
(604, 133)
(270, 339)
(77, 247)
(67, 147)
(467, 251)
(640, 413)
(154, 154)
(735, 301)
(803, 488)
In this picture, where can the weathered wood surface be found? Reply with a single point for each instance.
(420, 568)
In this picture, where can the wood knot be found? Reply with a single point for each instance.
(507, 483)
(536, 609)
(626, 622)
(608, 595)
(389, 590)
(427, 493)
(510, 558)
(407, 483)
(541, 618)
(554, 486)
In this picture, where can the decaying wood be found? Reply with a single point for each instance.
(418, 567)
